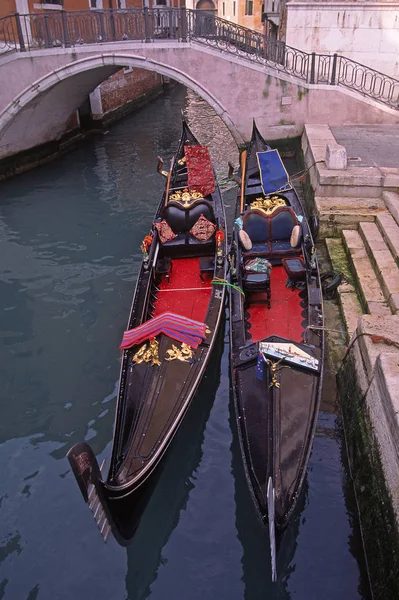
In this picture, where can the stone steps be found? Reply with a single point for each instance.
(390, 232)
(371, 294)
(383, 262)
(338, 213)
(391, 200)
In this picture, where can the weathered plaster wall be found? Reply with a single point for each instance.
(367, 32)
(42, 91)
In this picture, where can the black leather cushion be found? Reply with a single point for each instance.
(175, 216)
(194, 213)
(192, 240)
(182, 219)
(179, 239)
(256, 225)
(281, 224)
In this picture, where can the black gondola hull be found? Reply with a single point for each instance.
(276, 397)
(156, 391)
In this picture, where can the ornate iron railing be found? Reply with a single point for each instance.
(66, 29)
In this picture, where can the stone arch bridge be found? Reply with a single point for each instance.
(46, 72)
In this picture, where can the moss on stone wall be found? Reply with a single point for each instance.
(376, 513)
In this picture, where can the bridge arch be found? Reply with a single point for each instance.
(49, 101)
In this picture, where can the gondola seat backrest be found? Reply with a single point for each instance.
(181, 219)
(270, 234)
(256, 224)
(282, 222)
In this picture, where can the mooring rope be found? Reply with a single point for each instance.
(218, 281)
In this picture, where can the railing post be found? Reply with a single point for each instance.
(67, 43)
(21, 40)
(334, 70)
(47, 30)
(171, 23)
(147, 24)
(313, 67)
(112, 23)
(183, 20)
(103, 33)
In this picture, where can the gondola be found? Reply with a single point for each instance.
(276, 334)
(176, 311)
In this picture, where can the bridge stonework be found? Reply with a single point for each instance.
(41, 88)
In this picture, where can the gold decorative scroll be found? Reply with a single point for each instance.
(182, 161)
(185, 353)
(147, 355)
(268, 204)
(185, 197)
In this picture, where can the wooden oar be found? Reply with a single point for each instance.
(243, 169)
(168, 181)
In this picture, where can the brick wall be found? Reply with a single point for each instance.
(122, 88)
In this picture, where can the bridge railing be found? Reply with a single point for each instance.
(74, 28)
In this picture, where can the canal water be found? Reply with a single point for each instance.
(69, 245)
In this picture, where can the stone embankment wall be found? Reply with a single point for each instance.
(367, 32)
(358, 208)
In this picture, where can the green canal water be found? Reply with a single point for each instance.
(69, 244)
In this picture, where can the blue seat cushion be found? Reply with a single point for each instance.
(283, 246)
(282, 223)
(295, 268)
(256, 282)
(257, 226)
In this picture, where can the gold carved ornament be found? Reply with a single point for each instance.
(185, 353)
(147, 355)
(185, 197)
(268, 204)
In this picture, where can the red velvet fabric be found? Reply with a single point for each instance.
(200, 173)
(203, 229)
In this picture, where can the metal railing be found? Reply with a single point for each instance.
(68, 29)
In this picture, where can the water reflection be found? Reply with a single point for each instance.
(69, 240)
(173, 488)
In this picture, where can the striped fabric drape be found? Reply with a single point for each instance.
(179, 328)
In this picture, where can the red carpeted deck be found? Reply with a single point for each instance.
(185, 295)
(284, 318)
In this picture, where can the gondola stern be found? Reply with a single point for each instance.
(89, 479)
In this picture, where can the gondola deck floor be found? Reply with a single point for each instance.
(285, 316)
(194, 302)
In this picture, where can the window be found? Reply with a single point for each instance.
(234, 9)
(224, 8)
(61, 2)
(249, 7)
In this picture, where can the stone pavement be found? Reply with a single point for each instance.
(375, 145)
